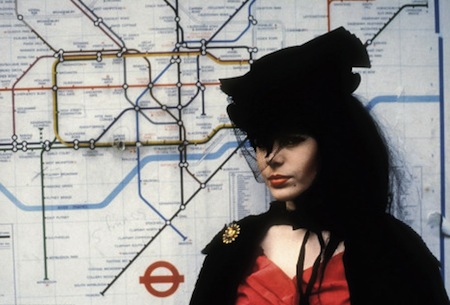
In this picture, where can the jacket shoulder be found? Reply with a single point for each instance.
(229, 257)
(387, 258)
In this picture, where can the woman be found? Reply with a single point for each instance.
(328, 237)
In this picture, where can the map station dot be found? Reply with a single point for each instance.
(200, 86)
(252, 19)
(98, 21)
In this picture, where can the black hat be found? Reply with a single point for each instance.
(278, 83)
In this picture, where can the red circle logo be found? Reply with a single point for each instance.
(150, 280)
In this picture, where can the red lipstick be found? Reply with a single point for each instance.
(278, 180)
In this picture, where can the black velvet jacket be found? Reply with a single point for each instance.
(386, 263)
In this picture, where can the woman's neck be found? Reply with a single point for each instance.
(290, 205)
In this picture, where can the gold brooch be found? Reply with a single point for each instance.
(231, 233)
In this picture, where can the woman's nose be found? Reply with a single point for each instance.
(274, 158)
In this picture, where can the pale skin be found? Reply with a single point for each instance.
(288, 170)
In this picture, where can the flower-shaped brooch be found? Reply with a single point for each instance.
(231, 233)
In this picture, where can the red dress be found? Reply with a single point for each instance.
(269, 285)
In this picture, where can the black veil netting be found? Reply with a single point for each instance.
(248, 152)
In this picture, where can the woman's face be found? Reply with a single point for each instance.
(290, 168)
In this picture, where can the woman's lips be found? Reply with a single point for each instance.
(277, 180)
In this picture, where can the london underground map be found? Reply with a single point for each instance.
(117, 159)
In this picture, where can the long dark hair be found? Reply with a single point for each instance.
(355, 178)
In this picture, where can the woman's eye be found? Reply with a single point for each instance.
(292, 140)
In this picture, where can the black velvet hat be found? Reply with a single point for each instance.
(287, 84)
